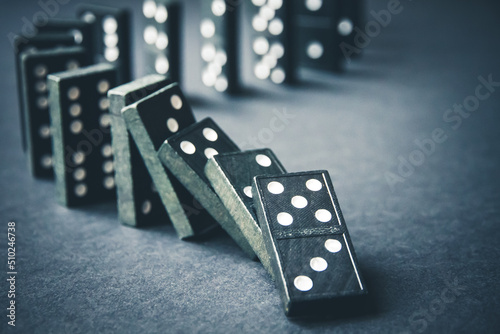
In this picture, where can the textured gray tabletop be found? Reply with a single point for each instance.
(425, 225)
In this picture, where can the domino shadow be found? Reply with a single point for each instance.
(218, 240)
(106, 209)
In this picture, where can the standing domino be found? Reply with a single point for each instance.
(316, 24)
(219, 29)
(39, 42)
(273, 41)
(80, 31)
(161, 37)
(35, 66)
(111, 33)
(351, 17)
(83, 157)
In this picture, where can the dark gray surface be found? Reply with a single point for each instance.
(81, 271)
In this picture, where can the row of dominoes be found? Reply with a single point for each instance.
(285, 35)
(168, 167)
(291, 222)
(140, 142)
(99, 35)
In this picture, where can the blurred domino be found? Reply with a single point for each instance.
(80, 31)
(35, 65)
(273, 41)
(138, 201)
(219, 52)
(161, 37)
(186, 153)
(39, 42)
(111, 33)
(351, 16)
(317, 26)
(305, 234)
(83, 156)
(231, 176)
(151, 121)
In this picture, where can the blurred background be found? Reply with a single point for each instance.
(413, 148)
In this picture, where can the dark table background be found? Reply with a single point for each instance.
(81, 271)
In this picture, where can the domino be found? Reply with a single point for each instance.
(351, 17)
(138, 201)
(111, 32)
(39, 42)
(35, 65)
(185, 154)
(80, 31)
(231, 176)
(161, 37)
(273, 40)
(316, 23)
(151, 121)
(219, 52)
(312, 255)
(83, 156)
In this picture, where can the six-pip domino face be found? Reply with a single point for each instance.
(83, 156)
(161, 37)
(318, 38)
(291, 221)
(306, 237)
(273, 41)
(110, 29)
(35, 66)
(219, 51)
